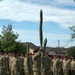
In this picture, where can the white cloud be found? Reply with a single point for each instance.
(26, 34)
(66, 2)
(33, 36)
(48, 2)
(56, 36)
(19, 11)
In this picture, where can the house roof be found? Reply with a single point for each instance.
(51, 50)
(31, 45)
(60, 50)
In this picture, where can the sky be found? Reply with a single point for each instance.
(24, 15)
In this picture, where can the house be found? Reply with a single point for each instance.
(51, 50)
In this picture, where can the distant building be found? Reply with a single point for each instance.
(51, 50)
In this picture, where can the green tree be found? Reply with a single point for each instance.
(71, 51)
(0, 44)
(9, 40)
(73, 32)
(21, 47)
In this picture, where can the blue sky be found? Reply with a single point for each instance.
(58, 16)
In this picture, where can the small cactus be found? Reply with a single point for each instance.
(27, 55)
(44, 47)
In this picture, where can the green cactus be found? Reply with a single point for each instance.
(27, 55)
(44, 47)
(41, 38)
(27, 49)
(0, 44)
(41, 33)
(40, 29)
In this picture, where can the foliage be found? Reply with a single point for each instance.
(71, 51)
(73, 32)
(9, 41)
(0, 44)
(21, 47)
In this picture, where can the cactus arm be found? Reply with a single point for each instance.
(44, 47)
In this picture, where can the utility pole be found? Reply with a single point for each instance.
(58, 46)
(58, 43)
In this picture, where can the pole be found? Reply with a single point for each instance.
(58, 43)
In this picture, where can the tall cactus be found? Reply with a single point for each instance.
(41, 35)
(41, 38)
(40, 29)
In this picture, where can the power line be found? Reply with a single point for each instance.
(68, 42)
